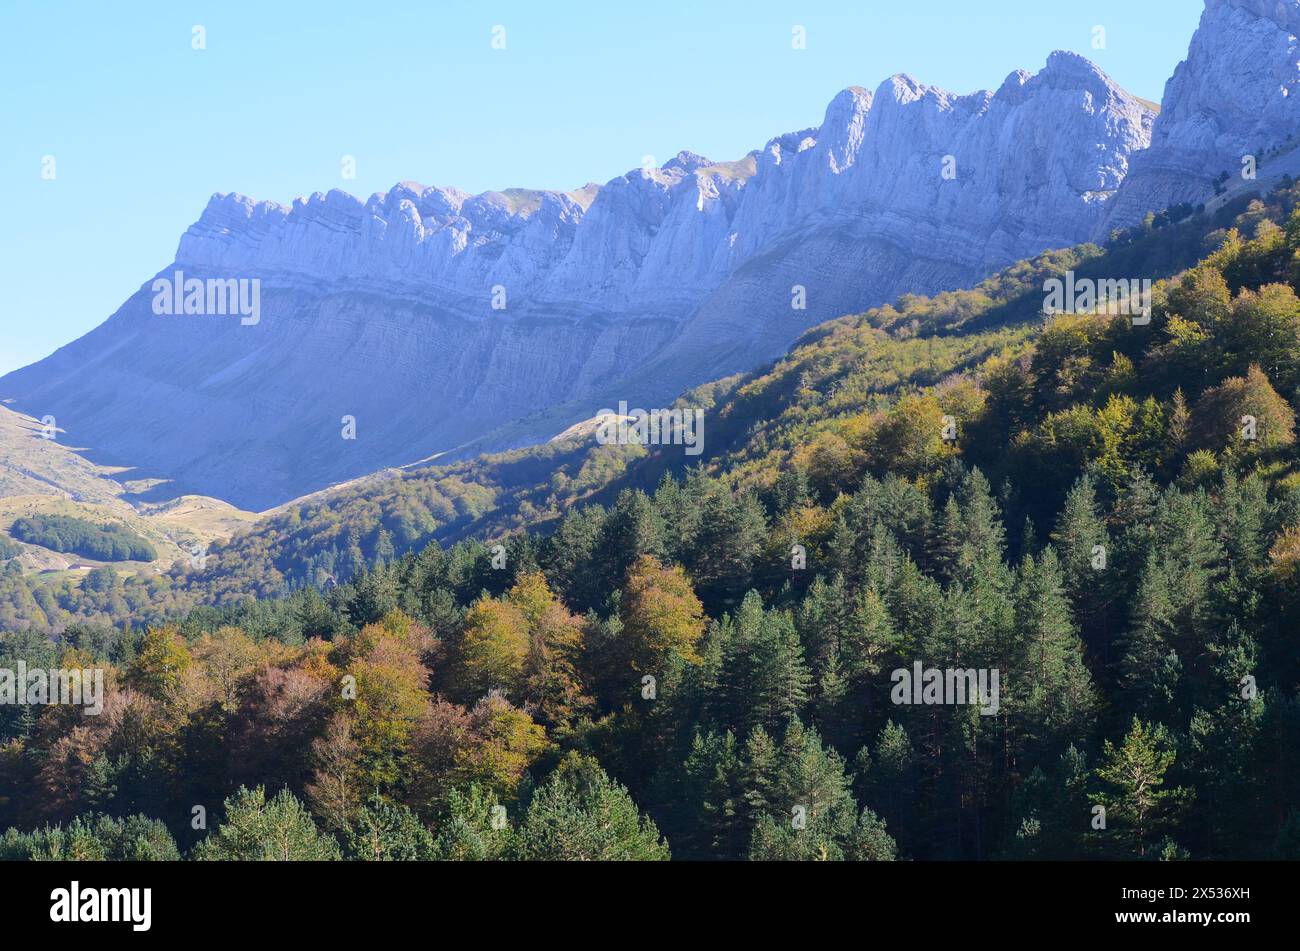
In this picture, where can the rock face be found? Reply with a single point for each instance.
(433, 317)
(1237, 94)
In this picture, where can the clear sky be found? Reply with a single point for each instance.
(143, 127)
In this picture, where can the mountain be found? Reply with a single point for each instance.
(1068, 511)
(799, 412)
(383, 310)
(1236, 95)
(758, 422)
(752, 421)
(42, 476)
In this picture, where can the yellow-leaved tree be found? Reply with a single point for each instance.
(661, 616)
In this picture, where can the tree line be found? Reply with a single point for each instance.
(700, 662)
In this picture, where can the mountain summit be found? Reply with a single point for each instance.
(431, 318)
(1232, 106)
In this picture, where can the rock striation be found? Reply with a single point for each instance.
(433, 317)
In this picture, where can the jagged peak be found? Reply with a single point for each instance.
(686, 161)
(791, 141)
(839, 136)
(1067, 69)
(904, 88)
(1284, 13)
(1064, 69)
(1074, 65)
(837, 143)
(228, 208)
(848, 103)
(1015, 80)
(844, 125)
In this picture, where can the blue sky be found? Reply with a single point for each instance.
(143, 128)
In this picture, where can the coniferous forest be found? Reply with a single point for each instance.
(618, 652)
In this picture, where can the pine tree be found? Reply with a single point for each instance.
(870, 641)
(832, 714)
(712, 787)
(471, 828)
(971, 532)
(1151, 670)
(374, 595)
(1055, 810)
(384, 831)
(1052, 681)
(1223, 764)
(814, 816)
(950, 540)
(580, 814)
(385, 553)
(572, 555)
(763, 680)
(354, 561)
(1138, 807)
(1241, 515)
(633, 530)
(732, 533)
(823, 619)
(1090, 562)
(758, 776)
(888, 779)
(790, 491)
(1078, 534)
(254, 829)
(1178, 434)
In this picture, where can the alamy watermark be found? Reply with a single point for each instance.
(932, 686)
(77, 904)
(37, 686)
(213, 296)
(656, 427)
(1130, 298)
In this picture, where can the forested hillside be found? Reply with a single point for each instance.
(327, 537)
(82, 537)
(698, 661)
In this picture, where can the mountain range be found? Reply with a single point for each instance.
(430, 323)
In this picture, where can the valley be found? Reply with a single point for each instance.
(44, 477)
